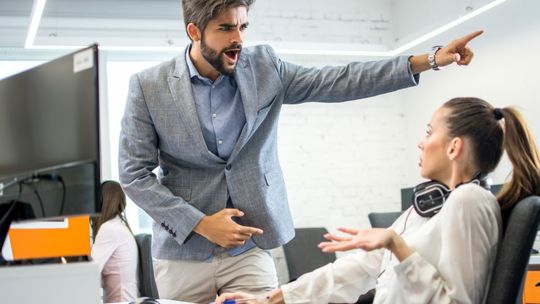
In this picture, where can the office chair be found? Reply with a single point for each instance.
(514, 252)
(303, 255)
(147, 283)
(383, 219)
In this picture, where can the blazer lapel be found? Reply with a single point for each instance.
(180, 86)
(245, 80)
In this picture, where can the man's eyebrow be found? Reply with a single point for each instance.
(228, 24)
(233, 24)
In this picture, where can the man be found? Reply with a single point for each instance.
(208, 119)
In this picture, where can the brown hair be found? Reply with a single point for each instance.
(491, 130)
(113, 204)
(200, 12)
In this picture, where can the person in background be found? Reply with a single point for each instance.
(446, 257)
(114, 247)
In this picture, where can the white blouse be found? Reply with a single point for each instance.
(455, 251)
(116, 253)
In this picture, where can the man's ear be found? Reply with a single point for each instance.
(455, 148)
(193, 32)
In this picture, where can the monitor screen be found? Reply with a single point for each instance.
(49, 136)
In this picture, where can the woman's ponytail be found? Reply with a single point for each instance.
(521, 149)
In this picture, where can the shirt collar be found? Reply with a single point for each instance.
(191, 67)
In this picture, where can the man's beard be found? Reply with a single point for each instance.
(216, 59)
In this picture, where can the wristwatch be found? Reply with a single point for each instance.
(431, 58)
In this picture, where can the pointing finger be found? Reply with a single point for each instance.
(250, 230)
(465, 39)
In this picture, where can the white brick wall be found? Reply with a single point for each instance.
(338, 21)
(340, 160)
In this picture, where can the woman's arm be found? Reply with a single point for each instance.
(340, 282)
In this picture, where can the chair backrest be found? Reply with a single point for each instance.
(383, 219)
(147, 283)
(514, 252)
(303, 255)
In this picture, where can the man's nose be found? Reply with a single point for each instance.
(237, 37)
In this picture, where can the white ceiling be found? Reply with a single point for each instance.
(350, 25)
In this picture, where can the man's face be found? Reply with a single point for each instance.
(221, 41)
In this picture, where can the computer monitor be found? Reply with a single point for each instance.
(49, 140)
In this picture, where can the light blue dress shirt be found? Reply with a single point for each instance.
(222, 118)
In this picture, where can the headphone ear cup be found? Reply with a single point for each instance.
(429, 197)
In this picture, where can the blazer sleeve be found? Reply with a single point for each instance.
(470, 225)
(353, 81)
(138, 156)
(340, 282)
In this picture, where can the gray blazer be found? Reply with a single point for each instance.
(160, 128)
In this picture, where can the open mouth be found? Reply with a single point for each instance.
(232, 55)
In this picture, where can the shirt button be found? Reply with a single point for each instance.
(220, 142)
(228, 167)
(213, 86)
(214, 115)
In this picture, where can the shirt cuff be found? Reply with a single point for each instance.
(415, 78)
(408, 271)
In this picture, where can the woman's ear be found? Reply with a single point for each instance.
(455, 148)
(193, 32)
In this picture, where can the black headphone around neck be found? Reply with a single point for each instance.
(429, 197)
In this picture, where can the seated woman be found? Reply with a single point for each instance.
(114, 248)
(445, 257)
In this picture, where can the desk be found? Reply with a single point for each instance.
(51, 283)
(161, 301)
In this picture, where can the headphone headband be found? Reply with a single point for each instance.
(429, 197)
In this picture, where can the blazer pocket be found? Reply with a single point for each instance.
(270, 178)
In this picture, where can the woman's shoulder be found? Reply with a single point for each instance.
(114, 227)
(472, 198)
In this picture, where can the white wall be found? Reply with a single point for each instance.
(504, 72)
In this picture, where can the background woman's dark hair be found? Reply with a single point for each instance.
(200, 12)
(491, 130)
(113, 204)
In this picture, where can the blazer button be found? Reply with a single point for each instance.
(228, 167)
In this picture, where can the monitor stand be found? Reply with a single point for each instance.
(14, 210)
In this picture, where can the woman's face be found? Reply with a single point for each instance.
(434, 162)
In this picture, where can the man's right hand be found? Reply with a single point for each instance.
(219, 228)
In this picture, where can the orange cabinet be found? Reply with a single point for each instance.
(531, 290)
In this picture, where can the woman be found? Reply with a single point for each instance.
(114, 248)
(448, 257)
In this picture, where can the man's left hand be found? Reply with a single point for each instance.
(457, 51)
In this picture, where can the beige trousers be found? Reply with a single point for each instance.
(194, 281)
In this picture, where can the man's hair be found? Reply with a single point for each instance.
(200, 12)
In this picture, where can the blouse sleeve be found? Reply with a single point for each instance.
(469, 233)
(104, 245)
(339, 282)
